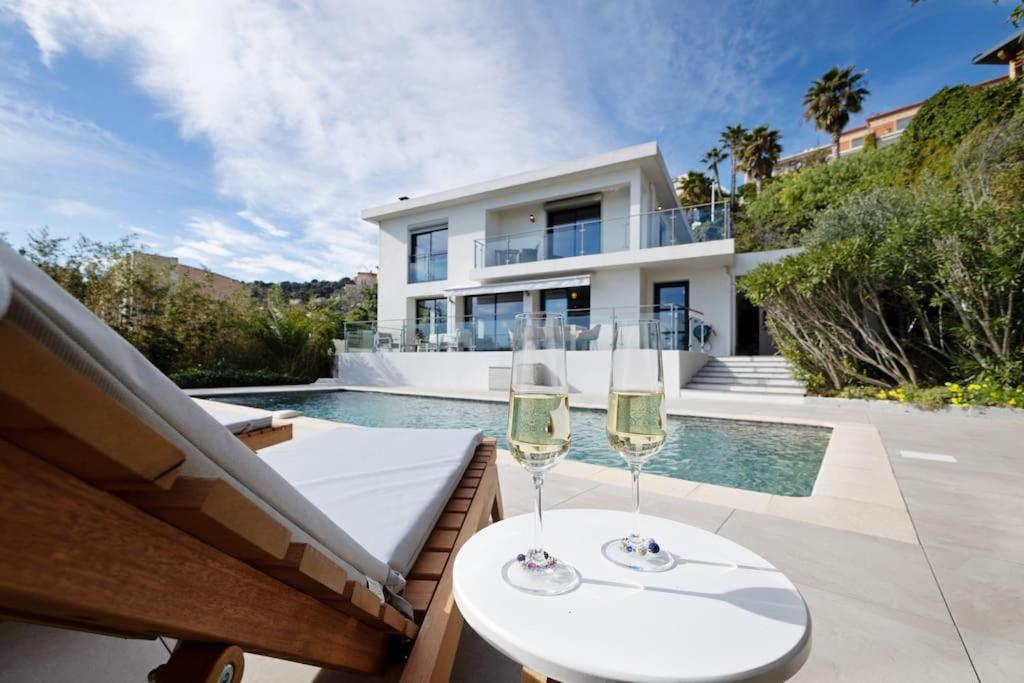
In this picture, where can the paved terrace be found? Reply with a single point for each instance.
(923, 581)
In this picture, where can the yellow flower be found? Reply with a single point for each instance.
(973, 387)
(1013, 401)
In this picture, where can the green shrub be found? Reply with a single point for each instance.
(208, 378)
(788, 205)
(910, 289)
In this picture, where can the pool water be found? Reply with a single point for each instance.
(769, 457)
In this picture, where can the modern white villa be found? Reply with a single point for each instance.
(595, 238)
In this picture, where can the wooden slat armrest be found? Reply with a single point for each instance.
(216, 513)
(264, 438)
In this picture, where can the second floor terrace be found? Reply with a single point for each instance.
(587, 234)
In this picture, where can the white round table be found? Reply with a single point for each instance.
(722, 613)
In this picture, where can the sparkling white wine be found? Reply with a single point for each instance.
(636, 423)
(538, 429)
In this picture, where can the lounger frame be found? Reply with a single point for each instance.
(100, 532)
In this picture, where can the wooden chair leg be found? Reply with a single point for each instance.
(195, 662)
(497, 507)
(531, 676)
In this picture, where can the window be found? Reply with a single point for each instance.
(431, 319)
(574, 232)
(572, 302)
(901, 124)
(491, 316)
(856, 142)
(428, 255)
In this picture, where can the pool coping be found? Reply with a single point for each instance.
(855, 490)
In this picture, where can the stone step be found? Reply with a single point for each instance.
(746, 389)
(746, 372)
(750, 360)
(702, 378)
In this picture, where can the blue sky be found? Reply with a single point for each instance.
(246, 136)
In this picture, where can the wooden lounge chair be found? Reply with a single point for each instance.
(106, 527)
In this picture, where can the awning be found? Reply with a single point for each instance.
(520, 286)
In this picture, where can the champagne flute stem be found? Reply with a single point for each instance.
(538, 518)
(635, 471)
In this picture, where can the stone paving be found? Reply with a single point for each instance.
(944, 603)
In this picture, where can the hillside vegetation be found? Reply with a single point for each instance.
(912, 281)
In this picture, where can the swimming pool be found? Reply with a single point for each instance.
(769, 457)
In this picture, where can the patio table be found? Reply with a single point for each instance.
(721, 613)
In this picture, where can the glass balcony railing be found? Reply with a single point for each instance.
(561, 241)
(703, 223)
(586, 330)
(428, 268)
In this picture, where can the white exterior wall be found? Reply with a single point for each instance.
(588, 371)
(711, 293)
(619, 279)
(469, 222)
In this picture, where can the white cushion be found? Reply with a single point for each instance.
(236, 422)
(386, 487)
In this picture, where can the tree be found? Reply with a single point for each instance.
(711, 159)
(832, 98)
(760, 152)
(733, 137)
(693, 188)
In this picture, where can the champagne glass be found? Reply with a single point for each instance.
(636, 429)
(538, 436)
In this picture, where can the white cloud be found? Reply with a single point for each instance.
(314, 110)
(73, 208)
(263, 224)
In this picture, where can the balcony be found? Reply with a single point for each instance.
(671, 227)
(688, 225)
(586, 330)
(560, 241)
(428, 268)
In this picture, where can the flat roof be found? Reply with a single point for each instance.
(647, 154)
(991, 56)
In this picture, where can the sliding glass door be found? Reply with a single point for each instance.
(491, 316)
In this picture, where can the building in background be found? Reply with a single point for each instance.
(213, 284)
(365, 279)
(1009, 52)
(887, 127)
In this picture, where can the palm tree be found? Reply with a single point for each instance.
(760, 152)
(693, 188)
(832, 98)
(733, 138)
(711, 159)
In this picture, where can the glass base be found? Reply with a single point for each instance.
(639, 553)
(538, 573)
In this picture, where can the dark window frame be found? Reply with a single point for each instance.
(430, 254)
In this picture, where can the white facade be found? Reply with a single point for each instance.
(504, 235)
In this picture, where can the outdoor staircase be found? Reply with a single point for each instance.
(747, 375)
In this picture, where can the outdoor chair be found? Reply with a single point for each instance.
(129, 511)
